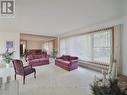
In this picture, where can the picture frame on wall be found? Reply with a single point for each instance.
(9, 44)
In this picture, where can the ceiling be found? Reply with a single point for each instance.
(54, 17)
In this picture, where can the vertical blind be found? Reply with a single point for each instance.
(93, 47)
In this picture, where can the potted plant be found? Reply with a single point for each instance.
(7, 57)
(54, 54)
(107, 86)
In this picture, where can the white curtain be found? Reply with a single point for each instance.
(116, 67)
(117, 48)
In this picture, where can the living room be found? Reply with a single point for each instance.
(91, 36)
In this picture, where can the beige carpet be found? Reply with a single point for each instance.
(52, 80)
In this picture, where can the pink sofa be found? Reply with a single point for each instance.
(37, 60)
(67, 62)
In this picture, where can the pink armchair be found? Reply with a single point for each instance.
(67, 62)
(23, 70)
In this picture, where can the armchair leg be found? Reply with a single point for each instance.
(15, 76)
(34, 74)
(23, 79)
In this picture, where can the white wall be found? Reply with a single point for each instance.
(7, 36)
(34, 44)
(124, 48)
(52, 17)
(105, 24)
(124, 42)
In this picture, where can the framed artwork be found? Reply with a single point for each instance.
(9, 44)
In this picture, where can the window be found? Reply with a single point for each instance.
(93, 47)
(48, 46)
(102, 47)
(78, 46)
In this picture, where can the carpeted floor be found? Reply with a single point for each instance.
(52, 80)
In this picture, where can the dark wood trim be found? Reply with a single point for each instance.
(113, 44)
(25, 42)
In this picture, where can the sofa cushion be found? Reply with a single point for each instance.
(73, 58)
(37, 56)
(66, 62)
(43, 55)
(43, 59)
(63, 61)
(66, 57)
(34, 61)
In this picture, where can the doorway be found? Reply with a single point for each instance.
(22, 47)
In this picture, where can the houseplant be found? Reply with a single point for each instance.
(107, 86)
(7, 56)
(54, 54)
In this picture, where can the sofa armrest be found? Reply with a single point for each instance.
(27, 67)
(29, 58)
(76, 58)
(59, 58)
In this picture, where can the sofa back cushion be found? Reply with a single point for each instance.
(37, 56)
(32, 57)
(43, 55)
(73, 58)
(66, 57)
